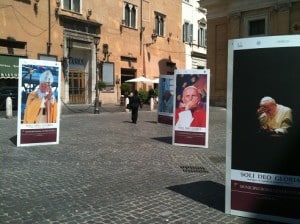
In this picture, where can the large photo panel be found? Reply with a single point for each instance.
(166, 99)
(39, 102)
(263, 128)
(191, 108)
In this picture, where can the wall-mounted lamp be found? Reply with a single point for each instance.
(36, 6)
(48, 47)
(122, 24)
(105, 51)
(57, 7)
(65, 67)
(69, 45)
(118, 80)
(89, 13)
(169, 37)
(154, 37)
(96, 40)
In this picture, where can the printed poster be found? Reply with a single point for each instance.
(263, 128)
(166, 99)
(39, 104)
(191, 108)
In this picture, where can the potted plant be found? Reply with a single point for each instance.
(101, 85)
(126, 88)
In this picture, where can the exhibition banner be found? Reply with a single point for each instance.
(191, 108)
(263, 128)
(166, 99)
(39, 104)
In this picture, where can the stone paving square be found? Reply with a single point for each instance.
(108, 170)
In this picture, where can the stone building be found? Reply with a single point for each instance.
(194, 33)
(109, 41)
(231, 19)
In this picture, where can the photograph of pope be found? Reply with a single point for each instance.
(41, 105)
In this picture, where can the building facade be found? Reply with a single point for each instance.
(109, 41)
(240, 19)
(194, 28)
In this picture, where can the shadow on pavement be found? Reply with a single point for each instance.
(152, 122)
(167, 140)
(14, 139)
(206, 192)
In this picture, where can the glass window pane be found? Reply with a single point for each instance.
(185, 32)
(190, 31)
(76, 5)
(257, 27)
(161, 27)
(108, 73)
(127, 14)
(67, 5)
(156, 25)
(133, 16)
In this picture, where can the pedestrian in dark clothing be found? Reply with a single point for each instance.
(135, 103)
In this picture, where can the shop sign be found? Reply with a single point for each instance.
(77, 63)
(9, 67)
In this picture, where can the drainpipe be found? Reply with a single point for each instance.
(141, 29)
(142, 50)
(49, 29)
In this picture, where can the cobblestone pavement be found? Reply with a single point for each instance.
(108, 170)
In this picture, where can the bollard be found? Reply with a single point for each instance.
(151, 104)
(9, 112)
(127, 102)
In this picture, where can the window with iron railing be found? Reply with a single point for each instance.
(72, 5)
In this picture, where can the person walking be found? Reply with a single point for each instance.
(135, 102)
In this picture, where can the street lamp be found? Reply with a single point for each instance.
(96, 109)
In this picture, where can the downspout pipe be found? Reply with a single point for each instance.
(49, 29)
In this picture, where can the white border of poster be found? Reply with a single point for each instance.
(190, 123)
(262, 164)
(166, 99)
(45, 131)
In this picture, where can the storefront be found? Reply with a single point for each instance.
(81, 39)
(9, 71)
(8, 80)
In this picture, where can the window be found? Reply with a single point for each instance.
(130, 13)
(202, 32)
(202, 37)
(108, 73)
(256, 24)
(72, 5)
(187, 32)
(159, 29)
(257, 27)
